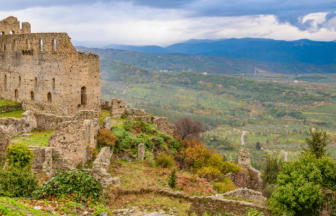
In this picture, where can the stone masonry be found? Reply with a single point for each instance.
(73, 138)
(249, 177)
(45, 72)
(100, 167)
(244, 193)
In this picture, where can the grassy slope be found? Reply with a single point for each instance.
(38, 138)
(14, 114)
(4, 102)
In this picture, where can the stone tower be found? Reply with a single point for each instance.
(244, 158)
(45, 72)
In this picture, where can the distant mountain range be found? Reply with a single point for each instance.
(269, 50)
(209, 64)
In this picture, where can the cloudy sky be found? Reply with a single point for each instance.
(163, 22)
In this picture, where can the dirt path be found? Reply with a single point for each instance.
(286, 155)
(242, 138)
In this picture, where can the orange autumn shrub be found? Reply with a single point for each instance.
(105, 138)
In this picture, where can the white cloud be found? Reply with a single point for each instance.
(125, 23)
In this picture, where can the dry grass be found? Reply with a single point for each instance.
(151, 203)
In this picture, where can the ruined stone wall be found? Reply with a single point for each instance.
(163, 125)
(51, 122)
(48, 160)
(244, 193)
(71, 138)
(100, 167)
(14, 126)
(4, 142)
(46, 73)
(11, 25)
(248, 177)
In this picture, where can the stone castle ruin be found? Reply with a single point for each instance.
(45, 72)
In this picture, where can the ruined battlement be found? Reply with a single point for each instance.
(11, 25)
(45, 72)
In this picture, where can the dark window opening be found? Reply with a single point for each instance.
(19, 80)
(5, 83)
(16, 94)
(35, 82)
(32, 96)
(49, 97)
(53, 83)
(83, 95)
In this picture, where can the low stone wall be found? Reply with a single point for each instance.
(48, 159)
(201, 205)
(51, 121)
(16, 126)
(100, 167)
(244, 193)
(144, 118)
(10, 108)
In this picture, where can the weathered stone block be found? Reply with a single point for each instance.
(141, 151)
(107, 124)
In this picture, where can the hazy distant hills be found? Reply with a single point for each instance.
(305, 51)
(210, 64)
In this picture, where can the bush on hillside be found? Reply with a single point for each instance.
(164, 160)
(17, 181)
(224, 186)
(229, 167)
(149, 157)
(19, 155)
(78, 183)
(269, 173)
(209, 173)
(105, 138)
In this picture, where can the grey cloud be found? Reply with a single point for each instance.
(285, 10)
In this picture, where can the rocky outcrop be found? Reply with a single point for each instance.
(246, 194)
(15, 126)
(107, 124)
(163, 125)
(100, 167)
(141, 152)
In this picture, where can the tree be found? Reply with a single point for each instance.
(301, 186)
(188, 129)
(258, 146)
(270, 171)
(172, 179)
(317, 145)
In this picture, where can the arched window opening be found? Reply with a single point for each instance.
(16, 94)
(4, 46)
(54, 45)
(19, 80)
(35, 82)
(53, 83)
(41, 45)
(32, 96)
(83, 95)
(5, 83)
(49, 97)
(3, 33)
(28, 43)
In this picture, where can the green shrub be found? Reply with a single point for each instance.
(19, 155)
(224, 186)
(253, 212)
(146, 140)
(17, 181)
(229, 167)
(78, 183)
(159, 141)
(210, 173)
(149, 157)
(164, 160)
